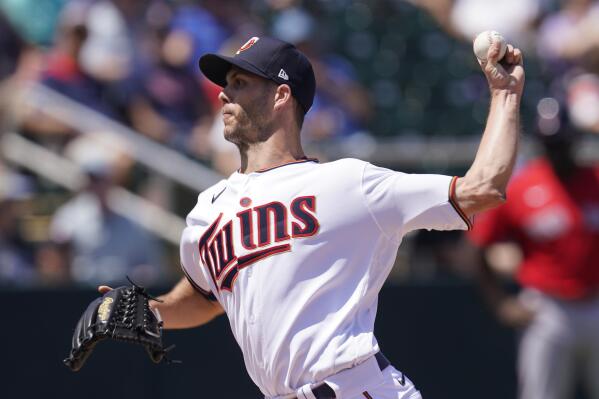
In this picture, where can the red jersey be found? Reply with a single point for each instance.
(557, 226)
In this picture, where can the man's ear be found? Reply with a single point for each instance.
(282, 97)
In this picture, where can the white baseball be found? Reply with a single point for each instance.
(484, 40)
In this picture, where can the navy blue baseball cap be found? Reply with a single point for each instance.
(272, 59)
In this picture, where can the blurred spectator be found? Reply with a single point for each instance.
(65, 73)
(11, 47)
(105, 246)
(14, 52)
(570, 37)
(63, 70)
(108, 53)
(552, 220)
(583, 102)
(16, 254)
(171, 104)
(515, 19)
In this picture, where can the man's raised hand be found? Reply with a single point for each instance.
(507, 74)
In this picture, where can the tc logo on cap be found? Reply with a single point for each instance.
(248, 44)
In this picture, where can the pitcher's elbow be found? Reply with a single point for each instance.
(475, 195)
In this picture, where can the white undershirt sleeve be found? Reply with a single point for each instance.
(401, 202)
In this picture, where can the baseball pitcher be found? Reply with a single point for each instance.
(294, 251)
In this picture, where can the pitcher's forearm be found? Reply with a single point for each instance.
(496, 154)
(184, 307)
(484, 185)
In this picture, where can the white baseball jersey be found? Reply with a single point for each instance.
(297, 254)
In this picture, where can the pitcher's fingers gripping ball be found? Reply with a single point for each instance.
(485, 40)
(501, 62)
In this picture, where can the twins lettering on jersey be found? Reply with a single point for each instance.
(255, 229)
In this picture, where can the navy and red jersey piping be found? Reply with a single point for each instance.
(206, 294)
(455, 205)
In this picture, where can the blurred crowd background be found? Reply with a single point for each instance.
(108, 131)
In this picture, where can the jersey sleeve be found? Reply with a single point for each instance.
(401, 202)
(190, 263)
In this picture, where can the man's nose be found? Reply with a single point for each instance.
(222, 96)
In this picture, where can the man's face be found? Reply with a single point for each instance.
(247, 110)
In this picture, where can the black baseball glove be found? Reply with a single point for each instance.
(122, 314)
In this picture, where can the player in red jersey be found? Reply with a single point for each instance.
(552, 215)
